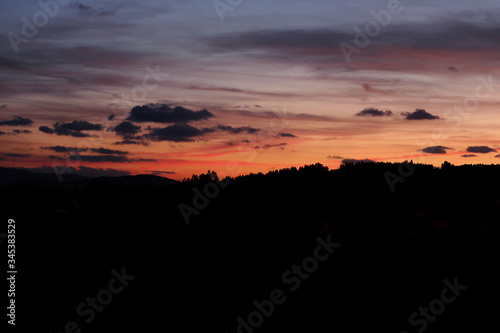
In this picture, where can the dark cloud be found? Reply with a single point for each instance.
(286, 135)
(17, 121)
(2, 133)
(16, 155)
(106, 151)
(131, 142)
(372, 112)
(233, 130)
(436, 150)
(78, 125)
(162, 173)
(354, 161)
(497, 155)
(480, 149)
(111, 117)
(128, 131)
(176, 133)
(277, 146)
(107, 155)
(452, 69)
(419, 114)
(163, 113)
(102, 158)
(91, 172)
(2, 159)
(46, 129)
(295, 45)
(74, 128)
(468, 155)
(334, 157)
(3, 106)
(64, 149)
(16, 132)
(88, 10)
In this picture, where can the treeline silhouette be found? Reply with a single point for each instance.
(396, 249)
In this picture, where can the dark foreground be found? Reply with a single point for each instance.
(306, 250)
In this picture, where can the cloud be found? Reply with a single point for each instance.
(17, 121)
(131, 142)
(419, 114)
(46, 129)
(480, 149)
(436, 150)
(2, 133)
(468, 155)
(16, 132)
(128, 131)
(91, 172)
(64, 149)
(282, 116)
(53, 157)
(16, 155)
(88, 10)
(334, 157)
(111, 117)
(278, 146)
(106, 151)
(354, 161)
(3, 106)
(163, 113)
(372, 112)
(101, 158)
(452, 69)
(71, 129)
(233, 130)
(162, 173)
(286, 135)
(78, 125)
(497, 155)
(176, 133)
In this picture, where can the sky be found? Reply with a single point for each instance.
(175, 88)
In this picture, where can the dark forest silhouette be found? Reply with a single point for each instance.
(396, 248)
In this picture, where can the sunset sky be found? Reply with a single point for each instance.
(175, 88)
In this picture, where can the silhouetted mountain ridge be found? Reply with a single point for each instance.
(14, 176)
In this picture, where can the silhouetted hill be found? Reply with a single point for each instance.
(13, 176)
(138, 180)
(245, 233)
